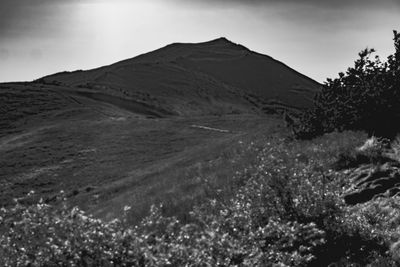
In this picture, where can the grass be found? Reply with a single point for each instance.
(105, 158)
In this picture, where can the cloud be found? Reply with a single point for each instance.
(32, 18)
(323, 4)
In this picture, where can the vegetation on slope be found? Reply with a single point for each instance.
(289, 212)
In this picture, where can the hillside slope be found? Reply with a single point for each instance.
(143, 130)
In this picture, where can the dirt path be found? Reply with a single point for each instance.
(210, 128)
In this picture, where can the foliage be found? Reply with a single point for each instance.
(366, 97)
(288, 213)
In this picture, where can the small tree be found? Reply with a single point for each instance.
(366, 97)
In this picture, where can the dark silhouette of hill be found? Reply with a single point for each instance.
(203, 78)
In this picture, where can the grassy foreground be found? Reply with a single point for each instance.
(287, 211)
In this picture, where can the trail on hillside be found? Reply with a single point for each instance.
(210, 128)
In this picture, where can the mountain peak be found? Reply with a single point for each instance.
(221, 39)
(224, 42)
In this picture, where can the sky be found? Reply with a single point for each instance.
(318, 38)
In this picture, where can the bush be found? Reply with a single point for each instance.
(366, 97)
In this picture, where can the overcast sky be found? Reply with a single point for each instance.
(319, 38)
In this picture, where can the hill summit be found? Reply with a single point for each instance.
(214, 77)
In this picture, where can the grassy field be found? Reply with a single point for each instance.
(105, 157)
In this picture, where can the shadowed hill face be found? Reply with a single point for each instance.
(204, 78)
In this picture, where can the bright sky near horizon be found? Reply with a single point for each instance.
(318, 38)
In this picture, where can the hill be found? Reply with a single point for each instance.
(196, 79)
(144, 130)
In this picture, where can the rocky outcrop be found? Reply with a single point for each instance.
(371, 181)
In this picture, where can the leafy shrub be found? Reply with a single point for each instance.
(381, 217)
(366, 97)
